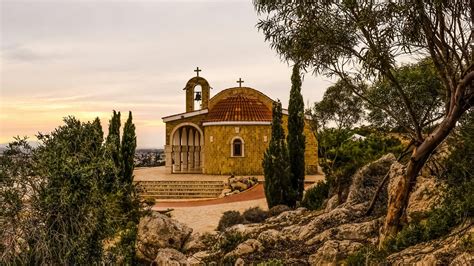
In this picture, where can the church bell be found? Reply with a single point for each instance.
(198, 96)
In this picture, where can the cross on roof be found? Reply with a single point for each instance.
(240, 81)
(197, 70)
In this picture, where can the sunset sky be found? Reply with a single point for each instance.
(87, 58)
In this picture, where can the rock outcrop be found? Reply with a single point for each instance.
(426, 194)
(169, 257)
(158, 231)
(333, 251)
(330, 236)
(301, 236)
(455, 249)
(247, 247)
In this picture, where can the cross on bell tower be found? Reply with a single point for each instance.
(197, 70)
(240, 81)
(197, 93)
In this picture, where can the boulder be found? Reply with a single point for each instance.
(333, 251)
(240, 186)
(197, 258)
(169, 257)
(247, 247)
(331, 203)
(287, 216)
(239, 262)
(352, 231)
(269, 237)
(366, 181)
(194, 243)
(278, 209)
(338, 216)
(157, 231)
(225, 192)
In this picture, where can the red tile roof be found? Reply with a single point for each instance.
(239, 108)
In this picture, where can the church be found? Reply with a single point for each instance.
(226, 134)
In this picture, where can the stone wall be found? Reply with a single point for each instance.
(256, 138)
(218, 151)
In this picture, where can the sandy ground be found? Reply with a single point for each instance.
(203, 215)
(205, 218)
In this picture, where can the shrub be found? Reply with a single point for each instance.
(272, 262)
(230, 241)
(255, 215)
(209, 240)
(455, 208)
(314, 197)
(368, 255)
(228, 219)
(277, 210)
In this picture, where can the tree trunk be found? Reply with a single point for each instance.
(397, 204)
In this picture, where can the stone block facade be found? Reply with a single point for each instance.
(203, 140)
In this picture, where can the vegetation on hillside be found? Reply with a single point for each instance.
(360, 43)
(71, 200)
(457, 207)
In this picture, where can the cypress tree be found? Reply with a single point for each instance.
(129, 144)
(130, 202)
(276, 168)
(113, 138)
(296, 137)
(112, 145)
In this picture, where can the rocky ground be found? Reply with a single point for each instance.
(303, 237)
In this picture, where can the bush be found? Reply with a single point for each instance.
(272, 262)
(455, 209)
(368, 255)
(255, 215)
(230, 241)
(277, 210)
(228, 219)
(314, 197)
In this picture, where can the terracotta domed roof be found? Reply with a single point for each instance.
(239, 108)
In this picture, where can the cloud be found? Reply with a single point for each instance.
(86, 58)
(26, 54)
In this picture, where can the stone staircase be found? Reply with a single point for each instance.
(184, 189)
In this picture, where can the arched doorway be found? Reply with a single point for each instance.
(187, 140)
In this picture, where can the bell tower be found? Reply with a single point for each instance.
(193, 96)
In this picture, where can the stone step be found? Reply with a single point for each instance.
(180, 189)
(174, 197)
(192, 189)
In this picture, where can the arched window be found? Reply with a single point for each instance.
(237, 147)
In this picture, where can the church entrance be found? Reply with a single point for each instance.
(187, 141)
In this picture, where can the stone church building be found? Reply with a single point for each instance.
(226, 134)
